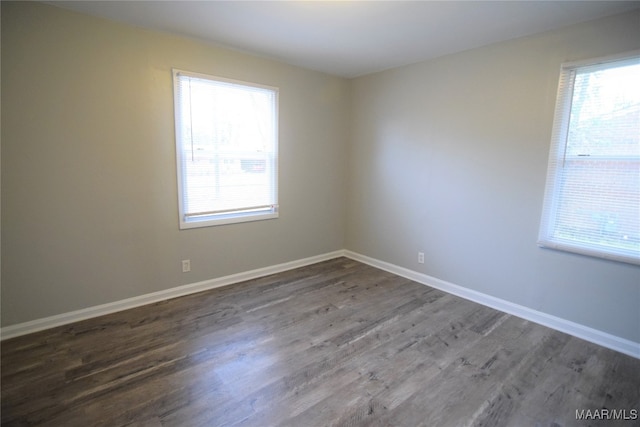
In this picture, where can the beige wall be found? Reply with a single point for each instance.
(89, 203)
(449, 157)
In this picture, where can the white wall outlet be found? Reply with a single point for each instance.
(421, 257)
(186, 265)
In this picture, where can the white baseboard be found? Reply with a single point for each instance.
(586, 333)
(604, 339)
(125, 304)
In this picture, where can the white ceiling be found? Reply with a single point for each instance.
(351, 38)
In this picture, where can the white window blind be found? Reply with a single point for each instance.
(592, 196)
(226, 145)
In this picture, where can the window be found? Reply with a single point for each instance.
(226, 145)
(592, 197)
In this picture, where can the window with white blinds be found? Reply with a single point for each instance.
(226, 146)
(592, 196)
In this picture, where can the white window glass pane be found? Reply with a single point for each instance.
(599, 203)
(592, 199)
(227, 148)
(605, 112)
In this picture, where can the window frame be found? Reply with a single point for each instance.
(558, 156)
(236, 216)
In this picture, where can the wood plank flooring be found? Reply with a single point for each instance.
(337, 343)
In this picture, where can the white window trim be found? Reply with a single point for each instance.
(257, 214)
(556, 158)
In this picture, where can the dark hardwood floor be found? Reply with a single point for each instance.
(336, 343)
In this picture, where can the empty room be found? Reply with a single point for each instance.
(343, 213)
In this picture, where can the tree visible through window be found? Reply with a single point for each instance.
(592, 199)
(226, 142)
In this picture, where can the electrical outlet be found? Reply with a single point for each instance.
(186, 265)
(421, 257)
